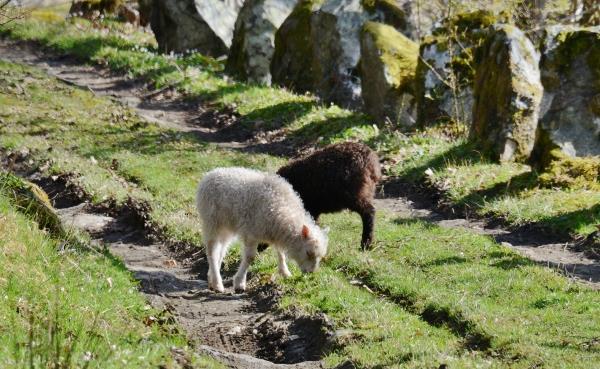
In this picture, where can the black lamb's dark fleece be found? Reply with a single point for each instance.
(337, 177)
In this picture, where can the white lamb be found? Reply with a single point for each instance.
(258, 208)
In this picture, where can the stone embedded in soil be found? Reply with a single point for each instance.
(254, 39)
(570, 71)
(202, 25)
(508, 93)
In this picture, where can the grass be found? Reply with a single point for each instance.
(424, 298)
(463, 176)
(64, 306)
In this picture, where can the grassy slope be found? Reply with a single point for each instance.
(467, 179)
(73, 308)
(438, 295)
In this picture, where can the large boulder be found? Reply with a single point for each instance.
(446, 68)
(570, 71)
(202, 25)
(291, 65)
(508, 93)
(388, 64)
(254, 39)
(330, 33)
(335, 40)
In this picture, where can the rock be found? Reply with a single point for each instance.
(446, 69)
(253, 41)
(92, 9)
(388, 64)
(128, 14)
(318, 47)
(202, 25)
(508, 93)
(570, 71)
(291, 64)
(33, 201)
(145, 10)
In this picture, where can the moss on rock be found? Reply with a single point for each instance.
(388, 67)
(571, 172)
(291, 65)
(33, 201)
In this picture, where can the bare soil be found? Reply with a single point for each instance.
(244, 331)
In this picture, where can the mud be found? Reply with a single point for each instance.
(168, 108)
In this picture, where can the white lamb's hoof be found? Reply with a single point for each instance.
(285, 273)
(217, 288)
(239, 286)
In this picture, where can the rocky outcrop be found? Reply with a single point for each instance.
(388, 64)
(291, 65)
(508, 93)
(570, 72)
(254, 39)
(446, 69)
(202, 25)
(328, 36)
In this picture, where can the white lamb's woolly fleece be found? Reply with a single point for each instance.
(258, 208)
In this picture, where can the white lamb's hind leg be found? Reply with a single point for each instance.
(213, 254)
(283, 268)
(248, 254)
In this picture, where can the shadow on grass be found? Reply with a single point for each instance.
(511, 187)
(281, 114)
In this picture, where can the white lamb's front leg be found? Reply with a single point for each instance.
(283, 268)
(213, 254)
(249, 252)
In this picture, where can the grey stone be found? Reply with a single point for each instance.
(570, 71)
(254, 39)
(202, 25)
(508, 93)
(388, 65)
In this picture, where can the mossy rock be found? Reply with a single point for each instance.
(388, 66)
(253, 46)
(508, 94)
(189, 25)
(291, 65)
(33, 201)
(569, 172)
(570, 72)
(448, 58)
(86, 8)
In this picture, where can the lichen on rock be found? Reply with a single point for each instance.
(446, 68)
(568, 172)
(570, 71)
(388, 65)
(508, 93)
(254, 39)
(325, 40)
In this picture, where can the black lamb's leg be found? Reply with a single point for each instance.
(367, 214)
(262, 247)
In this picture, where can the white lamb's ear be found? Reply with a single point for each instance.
(326, 230)
(305, 231)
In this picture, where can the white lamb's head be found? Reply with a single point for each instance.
(310, 247)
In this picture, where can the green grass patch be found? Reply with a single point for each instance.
(64, 306)
(425, 297)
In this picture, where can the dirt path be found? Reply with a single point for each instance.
(168, 109)
(240, 330)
